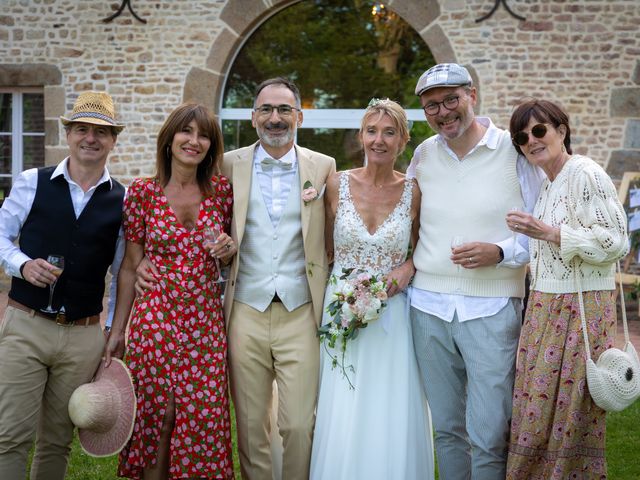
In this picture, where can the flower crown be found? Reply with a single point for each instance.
(382, 102)
(374, 102)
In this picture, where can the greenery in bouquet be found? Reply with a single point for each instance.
(358, 298)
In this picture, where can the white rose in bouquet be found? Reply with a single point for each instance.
(346, 289)
(347, 313)
(373, 310)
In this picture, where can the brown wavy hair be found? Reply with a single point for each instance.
(177, 120)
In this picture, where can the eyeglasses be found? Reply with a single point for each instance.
(283, 110)
(433, 108)
(522, 138)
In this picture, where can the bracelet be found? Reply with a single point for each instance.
(500, 252)
(22, 268)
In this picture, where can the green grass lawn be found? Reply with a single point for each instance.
(623, 447)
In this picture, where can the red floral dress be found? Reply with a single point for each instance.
(177, 340)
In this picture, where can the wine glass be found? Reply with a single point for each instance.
(58, 262)
(210, 236)
(512, 261)
(456, 241)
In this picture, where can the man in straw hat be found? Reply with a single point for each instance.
(466, 302)
(72, 210)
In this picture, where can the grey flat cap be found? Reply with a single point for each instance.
(443, 75)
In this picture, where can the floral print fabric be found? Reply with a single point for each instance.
(177, 341)
(557, 432)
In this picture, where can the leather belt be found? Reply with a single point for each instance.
(60, 318)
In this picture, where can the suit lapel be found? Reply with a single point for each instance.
(307, 169)
(242, 179)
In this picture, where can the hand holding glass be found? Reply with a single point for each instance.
(210, 236)
(456, 241)
(512, 260)
(58, 262)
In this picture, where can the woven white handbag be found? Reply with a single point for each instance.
(614, 380)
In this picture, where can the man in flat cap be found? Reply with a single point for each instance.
(466, 313)
(51, 344)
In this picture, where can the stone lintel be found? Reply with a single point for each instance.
(29, 75)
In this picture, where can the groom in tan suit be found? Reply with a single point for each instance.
(274, 296)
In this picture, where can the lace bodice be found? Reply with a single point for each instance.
(355, 247)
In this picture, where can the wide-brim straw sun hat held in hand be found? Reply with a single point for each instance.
(104, 410)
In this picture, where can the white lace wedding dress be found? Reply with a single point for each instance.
(381, 429)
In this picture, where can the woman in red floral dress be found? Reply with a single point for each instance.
(177, 342)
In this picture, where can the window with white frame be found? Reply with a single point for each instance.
(21, 134)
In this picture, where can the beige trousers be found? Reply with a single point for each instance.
(41, 364)
(263, 346)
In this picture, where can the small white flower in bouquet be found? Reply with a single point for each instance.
(358, 298)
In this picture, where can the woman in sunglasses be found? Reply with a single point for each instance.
(578, 227)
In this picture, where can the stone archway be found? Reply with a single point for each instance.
(241, 17)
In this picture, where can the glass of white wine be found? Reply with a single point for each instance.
(456, 241)
(211, 237)
(512, 261)
(58, 262)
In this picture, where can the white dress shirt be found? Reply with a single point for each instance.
(444, 305)
(16, 208)
(275, 183)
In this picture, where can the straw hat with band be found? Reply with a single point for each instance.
(96, 108)
(104, 410)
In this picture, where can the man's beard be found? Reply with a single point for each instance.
(264, 134)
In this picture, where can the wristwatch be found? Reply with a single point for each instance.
(500, 252)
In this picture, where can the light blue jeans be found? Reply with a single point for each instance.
(468, 371)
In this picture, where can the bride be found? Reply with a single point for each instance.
(381, 428)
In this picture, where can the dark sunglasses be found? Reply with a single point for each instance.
(522, 138)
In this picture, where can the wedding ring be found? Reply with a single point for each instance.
(470, 260)
(517, 227)
(228, 245)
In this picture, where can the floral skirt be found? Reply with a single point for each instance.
(557, 432)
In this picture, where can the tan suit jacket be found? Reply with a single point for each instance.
(314, 167)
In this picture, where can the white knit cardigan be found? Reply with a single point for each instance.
(596, 233)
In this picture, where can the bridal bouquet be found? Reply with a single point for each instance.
(358, 298)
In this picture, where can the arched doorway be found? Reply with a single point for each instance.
(246, 21)
(340, 53)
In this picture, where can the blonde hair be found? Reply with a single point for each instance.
(397, 114)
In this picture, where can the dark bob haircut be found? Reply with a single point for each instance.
(543, 111)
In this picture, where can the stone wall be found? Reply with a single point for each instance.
(582, 53)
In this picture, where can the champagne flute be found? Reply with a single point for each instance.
(58, 262)
(210, 236)
(512, 261)
(456, 241)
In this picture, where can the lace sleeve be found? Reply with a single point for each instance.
(599, 235)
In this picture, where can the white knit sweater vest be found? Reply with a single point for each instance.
(469, 198)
